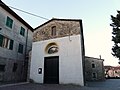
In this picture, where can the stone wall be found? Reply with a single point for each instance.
(98, 69)
(63, 28)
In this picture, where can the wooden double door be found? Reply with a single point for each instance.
(51, 70)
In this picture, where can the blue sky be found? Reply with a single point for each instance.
(95, 15)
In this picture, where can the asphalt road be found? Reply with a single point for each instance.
(107, 85)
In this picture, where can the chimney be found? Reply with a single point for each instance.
(100, 56)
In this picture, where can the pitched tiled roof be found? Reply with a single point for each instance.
(94, 58)
(108, 67)
(112, 67)
(116, 68)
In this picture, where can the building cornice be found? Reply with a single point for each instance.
(5, 7)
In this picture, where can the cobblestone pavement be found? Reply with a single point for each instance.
(107, 85)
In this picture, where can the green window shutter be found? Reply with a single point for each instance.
(1, 40)
(11, 45)
(9, 22)
(22, 31)
(20, 48)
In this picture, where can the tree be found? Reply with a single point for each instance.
(116, 35)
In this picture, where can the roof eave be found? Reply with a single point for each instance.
(4, 6)
(57, 20)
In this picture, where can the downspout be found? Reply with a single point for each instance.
(26, 44)
(25, 60)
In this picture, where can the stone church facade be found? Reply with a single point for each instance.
(58, 52)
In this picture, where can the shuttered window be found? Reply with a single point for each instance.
(20, 48)
(9, 22)
(11, 45)
(22, 31)
(6, 42)
(1, 40)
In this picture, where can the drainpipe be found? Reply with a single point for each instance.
(100, 57)
(26, 44)
(25, 58)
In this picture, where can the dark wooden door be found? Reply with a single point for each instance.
(51, 70)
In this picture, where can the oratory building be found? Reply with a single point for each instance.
(58, 52)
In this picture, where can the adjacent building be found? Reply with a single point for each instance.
(112, 71)
(58, 52)
(94, 69)
(15, 43)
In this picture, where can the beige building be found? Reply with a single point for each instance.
(94, 69)
(15, 43)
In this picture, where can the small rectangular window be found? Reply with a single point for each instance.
(15, 67)
(22, 31)
(53, 31)
(9, 22)
(20, 48)
(93, 65)
(94, 75)
(2, 68)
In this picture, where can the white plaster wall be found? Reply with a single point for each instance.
(70, 60)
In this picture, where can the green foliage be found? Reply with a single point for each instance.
(116, 35)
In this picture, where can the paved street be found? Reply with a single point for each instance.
(112, 84)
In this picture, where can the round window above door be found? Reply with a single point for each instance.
(51, 48)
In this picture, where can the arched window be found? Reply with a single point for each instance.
(51, 48)
(53, 30)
